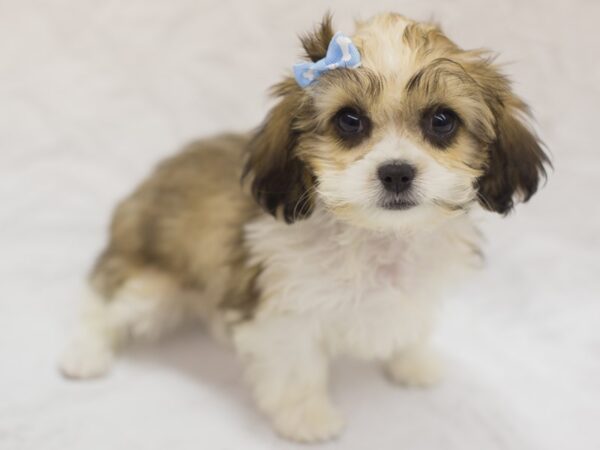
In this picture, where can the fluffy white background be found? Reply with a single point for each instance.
(93, 93)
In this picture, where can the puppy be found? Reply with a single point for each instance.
(352, 217)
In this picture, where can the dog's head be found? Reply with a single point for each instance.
(421, 130)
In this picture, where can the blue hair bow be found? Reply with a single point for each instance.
(340, 53)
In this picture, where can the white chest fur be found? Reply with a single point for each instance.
(361, 292)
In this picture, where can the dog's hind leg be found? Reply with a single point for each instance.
(142, 307)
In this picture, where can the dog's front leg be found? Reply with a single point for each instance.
(416, 365)
(288, 373)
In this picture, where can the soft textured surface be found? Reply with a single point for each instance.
(93, 93)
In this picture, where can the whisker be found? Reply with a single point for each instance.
(305, 197)
(481, 197)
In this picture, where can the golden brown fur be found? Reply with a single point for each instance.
(186, 220)
(494, 144)
(360, 273)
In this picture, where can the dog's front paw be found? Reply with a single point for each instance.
(314, 419)
(416, 368)
(86, 358)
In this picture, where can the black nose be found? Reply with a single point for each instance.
(396, 178)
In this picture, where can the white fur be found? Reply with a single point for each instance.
(328, 289)
(417, 366)
(144, 308)
(333, 289)
(352, 279)
(357, 185)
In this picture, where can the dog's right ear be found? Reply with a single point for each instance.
(280, 181)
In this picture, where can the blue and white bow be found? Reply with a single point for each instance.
(340, 53)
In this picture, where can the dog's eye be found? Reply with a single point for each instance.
(440, 126)
(350, 122)
(443, 122)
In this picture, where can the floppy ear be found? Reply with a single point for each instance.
(280, 181)
(516, 160)
(515, 166)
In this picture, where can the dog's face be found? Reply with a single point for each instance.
(421, 131)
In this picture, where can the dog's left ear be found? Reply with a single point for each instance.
(516, 159)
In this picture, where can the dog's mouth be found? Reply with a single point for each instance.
(397, 204)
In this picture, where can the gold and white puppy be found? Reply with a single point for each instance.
(356, 216)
